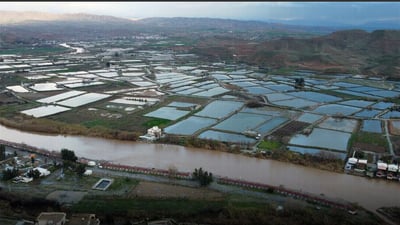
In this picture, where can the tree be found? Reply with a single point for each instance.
(204, 177)
(9, 174)
(68, 155)
(34, 173)
(80, 169)
(2, 152)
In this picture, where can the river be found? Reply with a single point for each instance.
(369, 193)
(77, 49)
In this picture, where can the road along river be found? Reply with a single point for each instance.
(369, 193)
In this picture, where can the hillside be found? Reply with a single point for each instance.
(29, 27)
(351, 51)
(271, 45)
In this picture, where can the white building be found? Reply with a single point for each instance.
(53, 218)
(153, 133)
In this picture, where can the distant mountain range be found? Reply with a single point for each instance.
(33, 26)
(270, 44)
(389, 24)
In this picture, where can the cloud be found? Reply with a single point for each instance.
(344, 12)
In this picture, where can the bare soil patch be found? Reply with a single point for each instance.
(290, 129)
(159, 190)
(369, 147)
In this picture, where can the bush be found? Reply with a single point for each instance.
(68, 155)
(203, 177)
(34, 174)
(10, 174)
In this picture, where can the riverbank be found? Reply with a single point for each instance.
(48, 126)
(335, 185)
(59, 128)
(134, 197)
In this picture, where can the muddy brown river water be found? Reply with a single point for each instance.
(369, 193)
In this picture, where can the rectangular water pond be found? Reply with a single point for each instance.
(309, 118)
(241, 122)
(316, 97)
(359, 94)
(226, 137)
(103, 184)
(169, 113)
(258, 90)
(273, 97)
(281, 87)
(219, 109)
(212, 92)
(373, 126)
(382, 105)
(345, 125)
(296, 103)
(190, 125)
(323, 138)
(367, 113)
(271, 125)
(332, 109)
(181, 104)
(357, 103)
(318, 152)
(391, 114)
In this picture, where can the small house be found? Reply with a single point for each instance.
(54, 218)
(382, 167)
(371, 169)
(392, 171)
(43, 172)
(84, 219)
(361, 166)
(351, 163)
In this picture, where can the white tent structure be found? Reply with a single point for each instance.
(43, 172)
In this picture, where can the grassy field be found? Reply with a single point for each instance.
(269, 145)
(43, 50)
(231, 210)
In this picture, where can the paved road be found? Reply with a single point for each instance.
(387, 134)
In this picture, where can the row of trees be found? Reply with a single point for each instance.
(204, 177)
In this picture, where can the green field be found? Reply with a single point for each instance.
(45, 50)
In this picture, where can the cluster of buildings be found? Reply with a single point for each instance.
(379, 169)
(60, 218)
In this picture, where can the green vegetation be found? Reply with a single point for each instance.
(35, 174)
(203, 177)
(9, 174)
(41, 50)
(231, 210)
(2, 152)
(120, 183)
(150, 206)
(156, 122)
(283, 71)
(269, 145)
(68, 155)
(368, 138)
(324, 161)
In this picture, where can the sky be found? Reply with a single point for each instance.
(350, 13)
